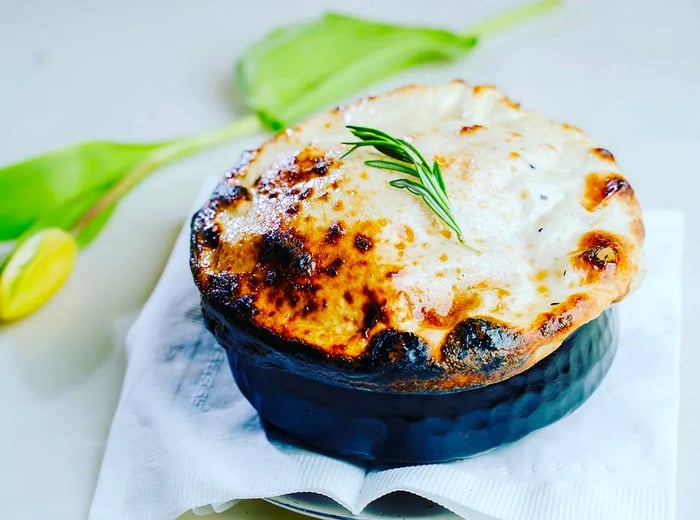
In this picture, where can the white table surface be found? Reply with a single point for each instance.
(628, 72)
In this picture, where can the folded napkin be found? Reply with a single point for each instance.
(184, 437)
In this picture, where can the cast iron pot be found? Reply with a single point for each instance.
(395, 427)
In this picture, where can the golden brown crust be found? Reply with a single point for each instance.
(287, 248)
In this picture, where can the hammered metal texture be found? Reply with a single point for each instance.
(412, 428)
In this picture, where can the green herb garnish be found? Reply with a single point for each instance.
(285, 76)
(429, 184)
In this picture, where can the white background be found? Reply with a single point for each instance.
(627, 72)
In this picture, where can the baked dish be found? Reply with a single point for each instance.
(355, 321)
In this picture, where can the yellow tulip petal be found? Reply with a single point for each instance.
(35, 270)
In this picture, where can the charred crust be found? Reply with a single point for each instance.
(603, 154)
(599, 257)
(554, 324)
(223, 287)
(309, 308)
(244, 307)
(615, 184)
(373, 314)
(225, 195)
(270, 279)
(332, 268)
(211, 234)
(399, 351)
(334, 233)
(478, 346)
(321, 165)
(246, 157)
(599, 187)
(285, 253)
(199, 221)
(305, 166)
(394, 361)
(599, 252)
(229, 195)
(561, 319)
(363, 243)
(373, 311)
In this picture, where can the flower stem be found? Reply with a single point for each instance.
(512, 17)
(169, 153)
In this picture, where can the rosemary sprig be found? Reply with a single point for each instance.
(428, 184)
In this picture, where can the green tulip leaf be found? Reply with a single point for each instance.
(297, 69)
(35, 187)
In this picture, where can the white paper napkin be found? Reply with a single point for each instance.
(184, 437)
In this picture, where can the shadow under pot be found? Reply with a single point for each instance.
(302, 403)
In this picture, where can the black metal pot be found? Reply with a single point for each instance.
(395, 427)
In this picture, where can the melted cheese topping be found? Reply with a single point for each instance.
(325, 252)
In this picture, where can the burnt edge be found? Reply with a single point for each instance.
(396, 362)
(203, 228)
